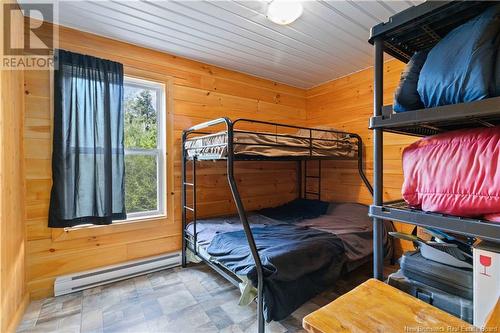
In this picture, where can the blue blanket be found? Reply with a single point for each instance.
(298, 263)
(296, 210)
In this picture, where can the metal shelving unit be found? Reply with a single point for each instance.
(439, 119)
(400, 211)
(419, 28)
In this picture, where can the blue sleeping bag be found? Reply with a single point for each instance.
(461, 67)
(406, 97)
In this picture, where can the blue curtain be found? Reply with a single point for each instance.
(87, 160)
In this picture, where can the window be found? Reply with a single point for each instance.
(144, 112)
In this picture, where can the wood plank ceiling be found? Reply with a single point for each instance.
(328, 41)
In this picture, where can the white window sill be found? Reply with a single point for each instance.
(133, 219)
(139, 218)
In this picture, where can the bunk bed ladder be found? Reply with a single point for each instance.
(192, 209)
(317, 178)
(185, 207)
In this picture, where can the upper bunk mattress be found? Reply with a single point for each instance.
(322, 144)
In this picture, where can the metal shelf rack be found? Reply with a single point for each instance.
(400, 211)
(419, 28)
(439, 119)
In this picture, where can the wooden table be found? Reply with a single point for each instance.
(377, 307)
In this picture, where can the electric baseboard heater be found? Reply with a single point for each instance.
(88, 279)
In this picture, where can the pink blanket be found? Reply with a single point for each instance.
(456, 173)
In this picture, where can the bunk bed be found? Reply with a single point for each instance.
(328, 227)
(417, 29)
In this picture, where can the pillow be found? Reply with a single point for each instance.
(460, 67)
(406, 97)
(454, 173)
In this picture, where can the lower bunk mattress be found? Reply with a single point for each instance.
(304, 247)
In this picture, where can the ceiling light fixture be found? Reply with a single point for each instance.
(284, 11)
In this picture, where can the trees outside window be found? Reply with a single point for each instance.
(144, 148)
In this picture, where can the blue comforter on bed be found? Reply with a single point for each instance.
(298, 262)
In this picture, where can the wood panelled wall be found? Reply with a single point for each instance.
(195, 93)
(347, 104)
(13, 295)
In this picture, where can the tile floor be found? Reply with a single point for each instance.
(194, 299)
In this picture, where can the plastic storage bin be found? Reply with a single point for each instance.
(454, 305)
(453, 280)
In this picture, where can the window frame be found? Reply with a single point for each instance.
(160, 152)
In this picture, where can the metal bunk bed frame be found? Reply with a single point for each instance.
(230, 158)
(419, 28)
